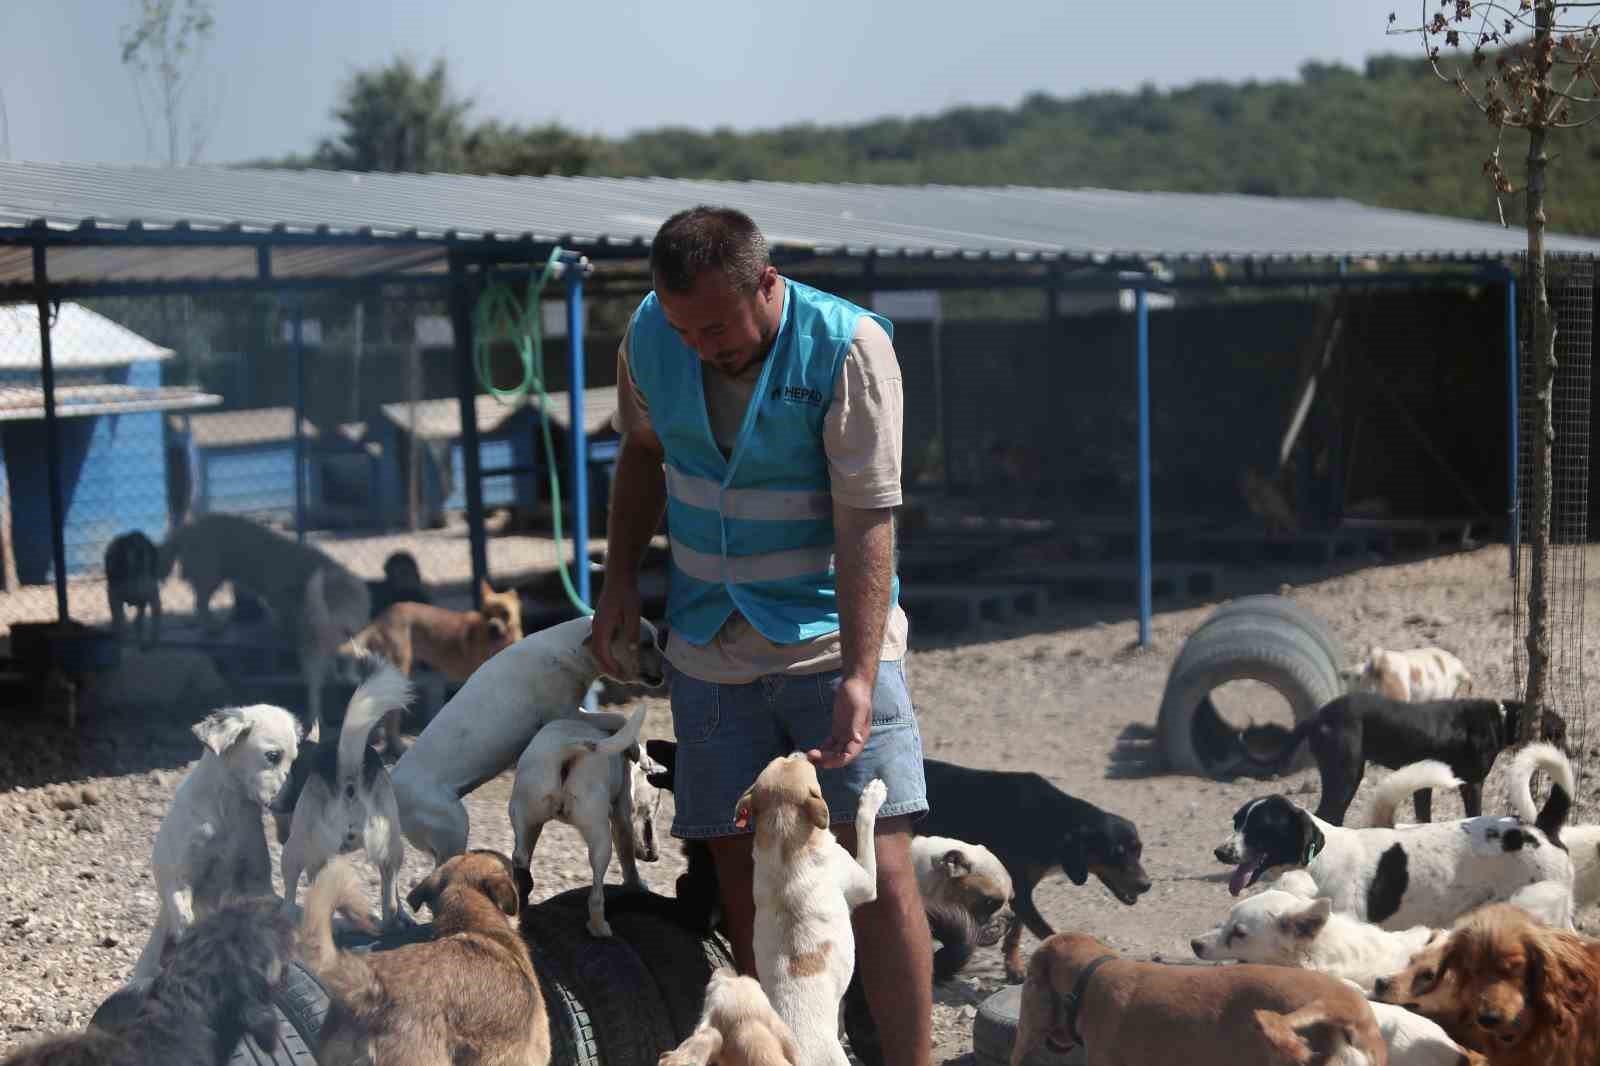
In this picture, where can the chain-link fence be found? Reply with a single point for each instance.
(1571, 289)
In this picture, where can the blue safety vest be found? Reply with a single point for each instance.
(753, 531)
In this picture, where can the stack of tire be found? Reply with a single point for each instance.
(621, 1002)
(1268, 639)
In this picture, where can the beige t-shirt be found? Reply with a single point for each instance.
(862, 437)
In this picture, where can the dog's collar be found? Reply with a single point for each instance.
(1074, 998)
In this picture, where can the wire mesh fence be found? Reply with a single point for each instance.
(1571, 288)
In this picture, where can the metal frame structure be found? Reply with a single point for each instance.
(457, 264)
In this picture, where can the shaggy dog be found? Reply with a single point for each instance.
(1532, 992)
(131, 563)
(215, 988)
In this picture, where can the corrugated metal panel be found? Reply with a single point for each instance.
(621, 214)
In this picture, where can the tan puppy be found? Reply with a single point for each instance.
(737, 1027)
(1415, 675)
(805, 886)
(455, 643)
(1130, 1013)
(468, 995)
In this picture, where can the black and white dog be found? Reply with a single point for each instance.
(1417, 875)
(131, 578)
(1363, 727)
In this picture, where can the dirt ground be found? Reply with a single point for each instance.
(1066, 694)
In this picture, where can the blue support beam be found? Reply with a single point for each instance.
(574, 268)
(52, 430)
(1141, 314)
(298, 366)
(467, 394)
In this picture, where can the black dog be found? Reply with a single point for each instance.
(214, 989)
(1365, 726)
(1032, 827)
(131, 579)
(402, 583)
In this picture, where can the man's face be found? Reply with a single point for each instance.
(727, 329)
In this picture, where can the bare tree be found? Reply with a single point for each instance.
(163, 48)
(1526, 65)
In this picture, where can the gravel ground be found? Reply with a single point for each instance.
(1067, 695)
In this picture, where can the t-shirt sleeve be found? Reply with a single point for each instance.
(632, 411)
(864, 428)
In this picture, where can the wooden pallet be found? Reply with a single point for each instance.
(1115, 579)
(970, 605)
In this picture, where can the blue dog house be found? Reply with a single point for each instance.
(508, 439)
(109, 401)
(242, 462)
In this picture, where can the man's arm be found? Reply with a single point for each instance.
(863, 569)
(638, 497)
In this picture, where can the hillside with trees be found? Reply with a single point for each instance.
(1391, 134)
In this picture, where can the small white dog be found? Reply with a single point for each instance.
(1284, 929)
(211, 844)
(487, 725)
(1417, 1041)
(966, 891)
(574, 772)
(1413, 676)
(340, 797)
(737, 1027)
(805, 886)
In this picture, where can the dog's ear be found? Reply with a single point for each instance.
(1311, 839)
(744, 812)
(955, 863)
(427, 890)
(817, 808)
(1305, 924)
(221, 730)
(503, 892)
(1074, 856)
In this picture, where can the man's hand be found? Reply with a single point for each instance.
(618, 608)
(852, 724)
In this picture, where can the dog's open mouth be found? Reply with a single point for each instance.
(995, 929)
(1245, 874)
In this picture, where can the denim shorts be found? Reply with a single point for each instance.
(728, 733)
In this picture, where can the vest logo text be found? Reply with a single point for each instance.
(798, 394)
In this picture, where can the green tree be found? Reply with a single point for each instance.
(400, 120)
(1542, 84)
(499, 148)
(163, 47)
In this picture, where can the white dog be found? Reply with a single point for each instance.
(737, 1027)
(966, 891)
(1419, 875)
(1417, 1041)
(342, 800)
(212, 845)
(1582, 841)
(805, 886)
(1284, 929)
(1413, 676)
(573, 772)
(481, 732)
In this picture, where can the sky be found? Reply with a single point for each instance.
(274, 68)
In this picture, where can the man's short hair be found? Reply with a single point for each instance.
(705, 238)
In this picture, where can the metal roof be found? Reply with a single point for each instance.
(79, 338)
(330, 223)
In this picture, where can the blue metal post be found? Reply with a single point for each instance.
(299, 364)
(579, 441)
(1142, 341)
(467, 396)
(1512, 388)
(52, 431)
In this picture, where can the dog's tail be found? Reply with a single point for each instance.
(337, 888)
(385, 690)
(1519, 783)
(167, 554)
(1400, 785)
(615, 744)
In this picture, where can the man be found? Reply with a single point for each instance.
(765, 417)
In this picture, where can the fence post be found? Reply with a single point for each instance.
(578, 438)
(52, 430)
(1142, 356)
(1513, 454)
(299, 366)
(467, 392)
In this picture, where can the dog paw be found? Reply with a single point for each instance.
(872, 796)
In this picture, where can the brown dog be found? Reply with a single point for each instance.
(1130, 1013)
(455, 643)
(1530, 991)
(468, 995)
